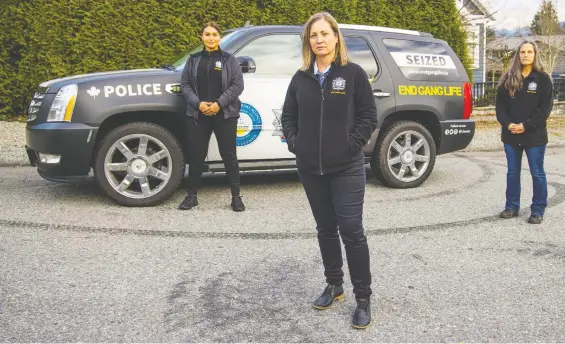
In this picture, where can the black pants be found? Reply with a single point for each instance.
(199, 133)
(337, 203)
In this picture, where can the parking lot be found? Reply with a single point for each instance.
(76, 267)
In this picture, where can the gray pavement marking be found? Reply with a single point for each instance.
(557, 199)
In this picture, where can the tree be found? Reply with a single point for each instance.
(490, 34)
(545, 20)
(551, 38)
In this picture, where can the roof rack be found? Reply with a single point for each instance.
(378, 28)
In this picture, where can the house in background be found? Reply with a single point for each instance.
(476, 18)
(501, 50)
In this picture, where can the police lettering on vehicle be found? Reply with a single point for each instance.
(134, 90)
(412, 90)
(249, 125)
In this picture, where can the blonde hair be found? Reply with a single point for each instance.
(512, 80)
(341, 57)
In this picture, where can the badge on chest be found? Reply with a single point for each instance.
(532, 87)
(338, 86)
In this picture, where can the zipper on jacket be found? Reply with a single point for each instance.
(321, 119)
(208, 74)
(321, 127)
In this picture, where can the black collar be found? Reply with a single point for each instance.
(534, 74)
(205, 52)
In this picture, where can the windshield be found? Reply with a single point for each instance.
(179, 61)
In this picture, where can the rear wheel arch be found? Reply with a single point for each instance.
(426, 118)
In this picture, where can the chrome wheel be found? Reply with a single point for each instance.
(408, 156)
(138, 166)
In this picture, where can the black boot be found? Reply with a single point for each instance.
(362, 316)
(535, 219)
(331, 293)
(237, 203)
(189, 202)
(508, 214)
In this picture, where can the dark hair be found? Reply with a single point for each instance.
(211, 24)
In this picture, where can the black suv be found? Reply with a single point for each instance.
(128, 126)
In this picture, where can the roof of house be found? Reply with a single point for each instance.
(510, 43)
(477, 5)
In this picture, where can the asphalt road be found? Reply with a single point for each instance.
(76, 267)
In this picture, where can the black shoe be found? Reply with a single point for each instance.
(535, 219)
(189, 202)
(508, 213)
(362, 315)
(237, 203)
(331, 293)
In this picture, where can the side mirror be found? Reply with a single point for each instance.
(247, 64)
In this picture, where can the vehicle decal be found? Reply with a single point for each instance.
(132, 90)
(412, 90)
(173, 89)
(423, 60)
(457, 129)
(93, 92)
(249, 125)
(277, 124)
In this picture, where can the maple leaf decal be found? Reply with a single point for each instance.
(93, 91)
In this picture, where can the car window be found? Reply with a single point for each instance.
(275, 54)
(422, 61)
(360, 52)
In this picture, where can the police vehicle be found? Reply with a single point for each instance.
(127, 127)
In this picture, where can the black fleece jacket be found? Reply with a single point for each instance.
(327, 126)
(531, 106)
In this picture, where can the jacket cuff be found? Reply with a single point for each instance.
(528, 126)
(290, 143)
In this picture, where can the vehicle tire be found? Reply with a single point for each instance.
(139, 164)
(404, 156)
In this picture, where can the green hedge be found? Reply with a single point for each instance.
(46, 39)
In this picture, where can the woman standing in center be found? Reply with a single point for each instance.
(328, 116)
(211, 84)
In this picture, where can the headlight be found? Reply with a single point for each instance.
(63, 105)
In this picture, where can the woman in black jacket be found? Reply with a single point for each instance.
(328, 116)
(523, 104)
(211, 83)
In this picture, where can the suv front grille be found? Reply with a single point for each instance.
(33, 109)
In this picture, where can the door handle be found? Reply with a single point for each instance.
(380, 94)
